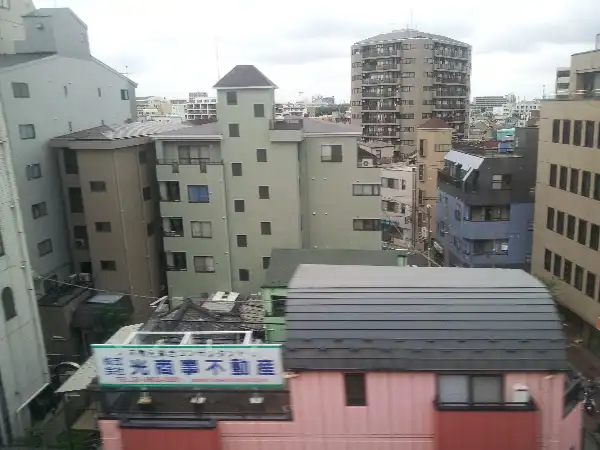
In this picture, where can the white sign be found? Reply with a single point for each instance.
(189, 365)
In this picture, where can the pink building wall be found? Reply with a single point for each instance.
(400, 415)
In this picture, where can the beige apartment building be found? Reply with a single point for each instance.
(232, 190)
(112, 208)
(566, 239)
(402, 78)
(434, 139)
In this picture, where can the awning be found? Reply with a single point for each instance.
(81, 379)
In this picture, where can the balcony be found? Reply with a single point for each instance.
(175, 163)
(176, 404)
(371, 94)
(451, 54)
(286, 130)
(444, 177)
(379, 81)
(384, 54)
(376, 107)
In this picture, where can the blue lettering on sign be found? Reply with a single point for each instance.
(189, 366)
(265, 367)
(108, 361)
(139, 367)
(164, 367)
(215, 366)
(240, 367)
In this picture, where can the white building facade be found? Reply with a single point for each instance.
(201, 106)
(11, 22)
(397, 203)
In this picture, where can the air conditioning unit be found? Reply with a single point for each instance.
(85, 276)
(520, 393)
(367, 163)
(79, 243)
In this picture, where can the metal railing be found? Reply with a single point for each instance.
(286, 124)
(484, 406)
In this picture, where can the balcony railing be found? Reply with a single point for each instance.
(445, 177)
(285, 124)
(188, 404)
(187, 162)
(368, 94)
(380, 81)
(384, 54)
(484, 406)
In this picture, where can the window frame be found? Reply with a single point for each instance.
(237, 169)
(202, 199)
(266, 262)
(97, 186)
(9, 306)
(470, 400)
(260, 113)
(261, 155)
(20, 89)
(241, 240)
(231, 98)
(103, 227)
(553, 175)
(245, 273)
(266, 228)
(49, 249)
(41, 208)
(206, 267)
(353, 380)
(261, 193)
(27, 126)
(236, 203)
(125, 94)
(108, 265)
(202, 225)
(362, 190)
(234, 130)
(332, 153)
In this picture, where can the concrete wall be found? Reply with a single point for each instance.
(55, 114)
(405, 176)
(11, 24)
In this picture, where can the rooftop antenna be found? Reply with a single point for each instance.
(217, 57)
(544, 92)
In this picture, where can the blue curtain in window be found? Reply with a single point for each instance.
(198, 194)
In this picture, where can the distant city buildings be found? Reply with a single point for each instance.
(201, 107)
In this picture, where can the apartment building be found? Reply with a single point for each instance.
(567, 209)
(485, 204)
(402, 78)
(563, 81)
(201, 107)
(488, 102)
(232, 190)
(50, 87)
(152, 106)
(23, 369)
(435, 140)
(398, 182)
(111, 197)
(11, 22)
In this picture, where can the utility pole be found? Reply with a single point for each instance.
(429, 235)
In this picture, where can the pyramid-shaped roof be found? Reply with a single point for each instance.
(244, 76)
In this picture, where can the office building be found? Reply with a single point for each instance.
(401, 79)
(23, 368)
(488, 102)
(485, 204)
(231, 191)
(51, 86)
(11, 22)
(566, 241)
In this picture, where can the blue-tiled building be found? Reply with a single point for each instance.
(485, 204)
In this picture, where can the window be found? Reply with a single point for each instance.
(567, 271)
(242, 240)
(570, 226)
(557, 265)
(596, 191)
(231, 98)
(8, 304)
(389, 206)
(566, 132)
(547, 260)
(366, 224)
(5, 4)
(70, 161)
(550, 219)
(169, 191)
(263, 192)
(421, 147)
(142, 157)
(234, 130)
(501, 181)
(108, 266)
(27, 131)
(204, 264)
(560, 222)
(150, 228)
(578, 283)
(265, 228)
(244, 274)
(236, 169)
(198, 194)
(555, 130)
(20, 90)
(176, 261)
(81, 236)
(590, 285)
(574, 181)
(259, 110)
(239, 205)
(33, 171)
(331, 153)
(266, 261)
(124, 94)
(421, 172)
(39, 210)
(594, 236)
(562, 179)
(582, 232)
(586, 182)
(366, 189)
(147, 193)
(75, 200)
(172, 226)
(44, 247)
(391, 183)
(201, 229)
(2, 251)
(463, 390)
(261, 155)
(356, 390)
(589, 133)
(103, 227)
(553, 172)
(420, 197)
(97, 186)
(577, 128)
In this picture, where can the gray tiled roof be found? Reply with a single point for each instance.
(207, 129)
(123, 131)
(242, 76)
(21, 58)
(311, 125)
(284, 261)
(409, 34)
(421, 319)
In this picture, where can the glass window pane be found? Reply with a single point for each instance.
(453, 388)
(487, 389)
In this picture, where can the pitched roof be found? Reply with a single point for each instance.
(435, 123)
(122, 131)
(285, 261)
(244, 76)
(421, 319)
(409, 34)
(9, 60)
(206, 129)
(311, 125)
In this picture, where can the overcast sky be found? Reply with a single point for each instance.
(170, 46)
